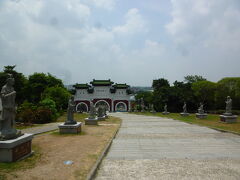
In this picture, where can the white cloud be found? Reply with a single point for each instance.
(104, 4)
(134, 23)
(199, 22)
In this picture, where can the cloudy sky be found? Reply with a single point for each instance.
(132, 41)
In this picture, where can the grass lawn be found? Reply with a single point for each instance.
(52, 149)
(212, 121)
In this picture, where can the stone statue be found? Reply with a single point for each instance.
(200, 109)
(228, 117)
(229, 105)
(165, 112)
(100, 111)
(70, 111)
(185, 108)
(201, 114)
(142, 105)
(165, 108)
(7, 118)
(92, 112)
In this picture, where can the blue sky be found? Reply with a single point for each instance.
(130, 42)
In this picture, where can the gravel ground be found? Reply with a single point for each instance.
(170, 169)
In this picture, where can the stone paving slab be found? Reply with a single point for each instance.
(160, 148)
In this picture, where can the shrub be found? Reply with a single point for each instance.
(26, 113)
(43, 115)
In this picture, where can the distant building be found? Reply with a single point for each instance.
(116, 97)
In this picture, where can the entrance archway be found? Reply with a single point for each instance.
(81, 107)
(121, 107)
(102, 103)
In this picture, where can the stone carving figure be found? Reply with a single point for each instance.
(70, 111)
(7, 118)
(185, 108)
(200, 109)
(92, 112)
(229, 105)
(100, 111)
(105, 110)
(142, 104)
(165, 108)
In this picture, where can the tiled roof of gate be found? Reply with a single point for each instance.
(121, 86)
(101, 82)
(81, 86)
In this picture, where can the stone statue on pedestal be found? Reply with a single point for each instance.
(228, 117)
(185, 108)
(184, 113)
(200, 109)
(92, 112)
(201, 114)
(101, 113)
(165, 112)
(13, 144)
(92, 119)
(70, 111)
(165, 108)
(8, 113)
(228, 106)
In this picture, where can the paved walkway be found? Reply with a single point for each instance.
(159, 148)
(41, 129)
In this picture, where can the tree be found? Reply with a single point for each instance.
(59, 95)
(193, 78)
(228, 87)
(205, 92)
(38, 82)
(160, 93)
(147, 97)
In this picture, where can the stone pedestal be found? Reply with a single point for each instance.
(91, 121)
(16, 149)
(184, 114)
(70, 128)
(165, 113)
(228, 118)
(201, 115)
(101, 118)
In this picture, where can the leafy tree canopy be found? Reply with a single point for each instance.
(193, 78)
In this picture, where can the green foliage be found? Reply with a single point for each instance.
(38, 82)
(228, 87)
(161, 93)
(147, 97)
(205, 92)
(193, 78)
(26, 113)
(60, 96)
(49, 104)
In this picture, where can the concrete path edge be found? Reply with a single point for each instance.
(91, 175)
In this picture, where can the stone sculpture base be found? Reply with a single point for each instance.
(16, 149)
(228, 119)
(70, 128)
(91, 121)
(201, 116)
(165, 113)
(184, 114)
(101, 118)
